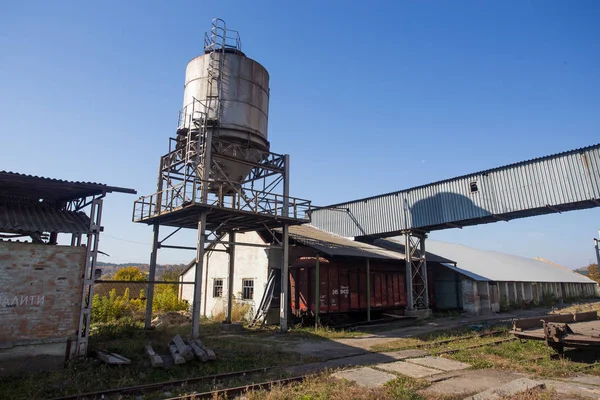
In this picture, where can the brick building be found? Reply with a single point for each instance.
(44, 286)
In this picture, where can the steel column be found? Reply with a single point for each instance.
(151, 278)
(424, 273)
(317, 286)
(368, 290)
(198, 280)
(285, 280)
(230, 276)
(409, 275)
(596, 242)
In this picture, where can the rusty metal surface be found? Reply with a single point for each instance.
(27, 218)
(30, 186)
(555, 183)
(343, 287)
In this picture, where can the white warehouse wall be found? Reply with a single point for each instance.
(250, 263)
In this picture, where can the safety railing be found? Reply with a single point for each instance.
(220, 38)
(220, 194)
(195, 111)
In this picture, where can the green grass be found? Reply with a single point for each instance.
(324, 333)
(90, 374)
(528, 356)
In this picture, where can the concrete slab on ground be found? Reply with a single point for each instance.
(365, 376)
(352, 361)
(469, 382)
(404, 354)
(566, 389)
(587, 379)
(511, 388)
(408, 369)
(439, 363)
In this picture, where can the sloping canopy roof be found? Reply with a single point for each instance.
(36, 187)
(28, 218)
(334, 245)
(501, 267)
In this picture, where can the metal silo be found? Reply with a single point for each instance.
(227, 94)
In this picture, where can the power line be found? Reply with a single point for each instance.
(124, 240)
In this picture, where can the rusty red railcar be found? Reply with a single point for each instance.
(343, 286)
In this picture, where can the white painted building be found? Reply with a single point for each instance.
(249, 280)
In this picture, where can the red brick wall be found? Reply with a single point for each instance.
(40, 291)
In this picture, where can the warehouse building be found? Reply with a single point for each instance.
(483, 281)
(346, 269)
(459, 278)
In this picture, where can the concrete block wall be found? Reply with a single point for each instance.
(40, 294)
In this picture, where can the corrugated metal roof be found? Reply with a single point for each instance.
(24, 218)
(334, 245)
(560, 182)
(31, 186)
(501, 267)
(399, 247)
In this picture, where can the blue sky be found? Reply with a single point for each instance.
(367, 97)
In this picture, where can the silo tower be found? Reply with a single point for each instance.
(219, 175)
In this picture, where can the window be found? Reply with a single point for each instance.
(247, 289)
(473, 186)
(218, 288)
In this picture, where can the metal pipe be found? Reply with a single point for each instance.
(208, 253)
(229, 242)
(198, 280)
(317, 285)
(368, 290)
(230, 276)
(151, 277)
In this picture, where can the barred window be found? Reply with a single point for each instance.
(247, 289)
(218, 288)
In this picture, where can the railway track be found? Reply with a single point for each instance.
(167, 385)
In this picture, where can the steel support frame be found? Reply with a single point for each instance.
(417, 291)
(93, 238)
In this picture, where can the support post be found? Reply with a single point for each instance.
(230, 276)
(368, 290)
(317, 286)
(284, 306)
(409, 282)
(198, 280)
(597, 245)
(284, 295)
(151, 278)
(424, 272)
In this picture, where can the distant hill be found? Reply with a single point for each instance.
(109, 269)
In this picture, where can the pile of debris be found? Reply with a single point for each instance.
(182, 352)
(172, 318)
